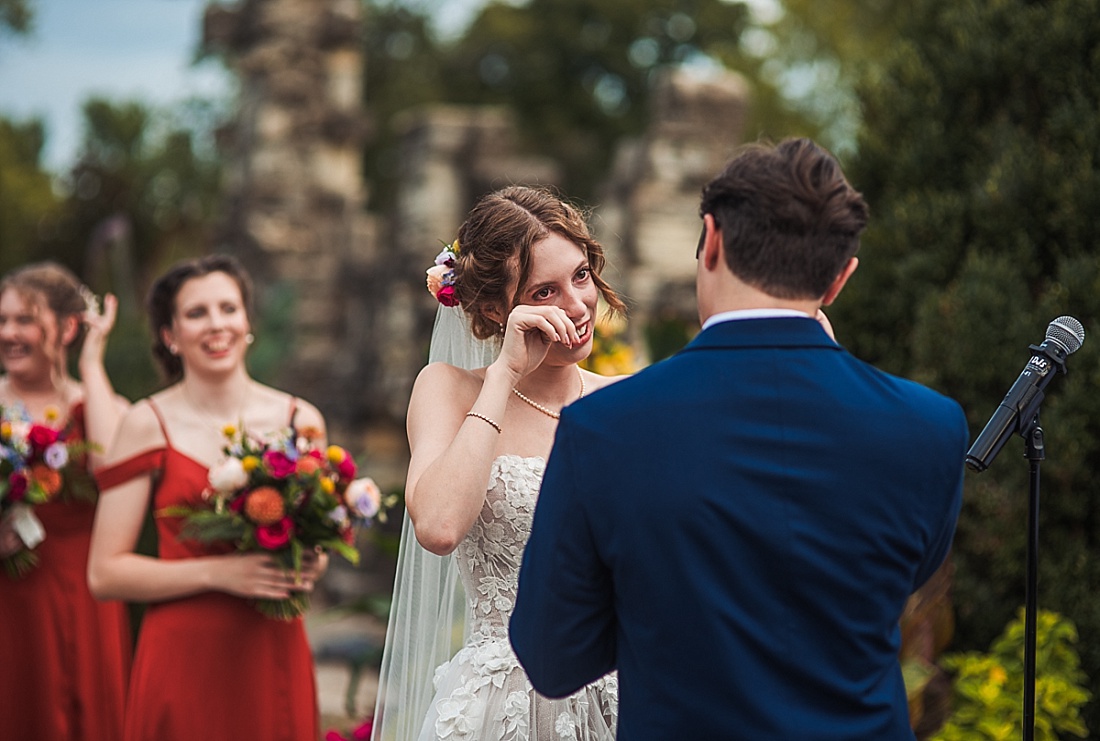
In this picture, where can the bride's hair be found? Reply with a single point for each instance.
(495, 247)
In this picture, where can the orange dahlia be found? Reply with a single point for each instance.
(307, 464)
(264, 506)
(47, 478)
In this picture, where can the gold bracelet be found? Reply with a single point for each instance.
(485, 419)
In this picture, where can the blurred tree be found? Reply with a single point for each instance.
(405, 68)
(25, 195)
(141, 194)
(576, 72)
(16, 16)
(980, 157)
(27, 200)
(808, 62)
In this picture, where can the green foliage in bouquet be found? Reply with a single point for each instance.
(988, 687)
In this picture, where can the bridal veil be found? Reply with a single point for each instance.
(427, 623)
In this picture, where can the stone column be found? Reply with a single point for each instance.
(294, 190)
(649, 214)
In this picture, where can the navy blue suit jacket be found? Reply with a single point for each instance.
(736, 530)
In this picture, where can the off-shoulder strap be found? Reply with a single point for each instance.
(131, 468)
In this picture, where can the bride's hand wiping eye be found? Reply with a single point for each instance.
(528, 334)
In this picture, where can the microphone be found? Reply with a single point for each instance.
(1065, 335)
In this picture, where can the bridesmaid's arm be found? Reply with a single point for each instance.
(116, 572)
(103, 408)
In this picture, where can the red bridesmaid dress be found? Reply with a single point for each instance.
(210, 666)
(64, 656)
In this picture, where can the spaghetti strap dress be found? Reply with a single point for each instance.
(210, 666)
(64, 656)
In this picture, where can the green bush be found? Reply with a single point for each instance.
(988, 687)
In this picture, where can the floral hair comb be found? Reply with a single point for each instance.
(441, 276)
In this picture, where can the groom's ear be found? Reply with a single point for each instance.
(710, 243)
(838, 283)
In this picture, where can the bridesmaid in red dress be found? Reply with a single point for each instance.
(208, 665)
(64, 657)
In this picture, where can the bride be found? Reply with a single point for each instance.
(523, 279)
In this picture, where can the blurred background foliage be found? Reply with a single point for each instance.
(971, 127)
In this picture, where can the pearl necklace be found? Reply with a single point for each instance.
(540, 407)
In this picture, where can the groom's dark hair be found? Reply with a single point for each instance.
(789, 219)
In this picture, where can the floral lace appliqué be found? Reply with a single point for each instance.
(483, 693)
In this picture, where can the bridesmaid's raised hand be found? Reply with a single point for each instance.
(99, 325)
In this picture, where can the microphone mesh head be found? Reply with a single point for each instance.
(1067, 332)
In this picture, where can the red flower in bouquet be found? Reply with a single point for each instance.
(279, 464)
(282, 496)
(275, 536)
(359, 733)
(17, 486)
(41, 437)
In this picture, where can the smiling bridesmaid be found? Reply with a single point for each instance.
(208, 665)
(63, 656)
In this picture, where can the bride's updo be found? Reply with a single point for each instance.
(495, 247)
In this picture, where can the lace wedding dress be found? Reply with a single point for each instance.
(482, 693)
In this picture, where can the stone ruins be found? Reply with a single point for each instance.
(346, 288)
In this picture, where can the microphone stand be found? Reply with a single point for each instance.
(1035, 452)
(981, 454)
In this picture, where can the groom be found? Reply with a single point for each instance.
(737, 529)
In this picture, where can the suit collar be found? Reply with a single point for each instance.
(768, 332)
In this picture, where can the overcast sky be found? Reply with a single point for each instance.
(119, 49)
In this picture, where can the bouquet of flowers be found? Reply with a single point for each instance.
(37, 465)
(283, 496)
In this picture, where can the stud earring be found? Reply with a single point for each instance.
(173, 349)
(249, 338)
